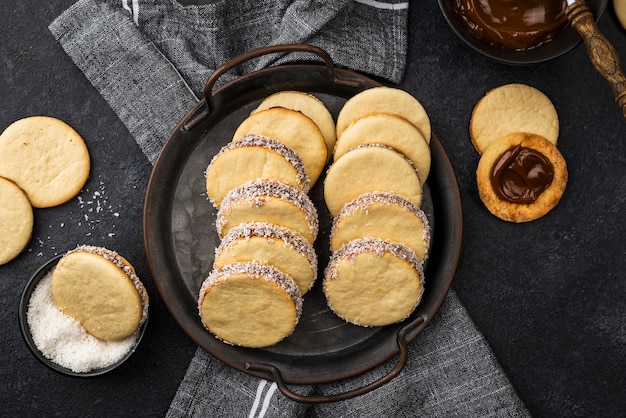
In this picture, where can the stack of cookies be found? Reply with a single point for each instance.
(380, 236)
(259, 182)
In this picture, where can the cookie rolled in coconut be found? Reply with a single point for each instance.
(372, 282)
(369, 168)
(249, 304)
(293, 129)
(384, 215)
(271, 201)
(100, 289)
(253, 156)
(271, 244)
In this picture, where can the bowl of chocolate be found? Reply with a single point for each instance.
(516, 32)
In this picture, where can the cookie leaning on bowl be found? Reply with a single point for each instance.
(100, 289)
(16, 220)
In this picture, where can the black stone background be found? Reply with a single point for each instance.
(549, 295)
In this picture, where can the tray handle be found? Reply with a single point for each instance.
(401, 337)
(204, 111)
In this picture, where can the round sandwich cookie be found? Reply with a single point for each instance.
(372, 282)
(521, 177)
(369, 168)
(620, 11)
(270, 244)
(16, 220)
(512, 108)
(100, 289)
(392, 131)
(310, 106)
(384, 215)
(295, 130)
(253, 156)
(249, 304)
(46, 158)
(269, 201)
(384, 100)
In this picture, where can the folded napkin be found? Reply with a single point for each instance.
(150, 60)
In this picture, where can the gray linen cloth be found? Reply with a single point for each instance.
(150, 60)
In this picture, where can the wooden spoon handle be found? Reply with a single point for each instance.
(601, 52)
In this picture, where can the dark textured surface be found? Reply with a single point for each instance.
(549, 295)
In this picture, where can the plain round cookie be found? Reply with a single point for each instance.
(512, 108)
(249, 304)
(372, 282)
(369, 168)
(384, 100)
(252, 157)
(16, 220)
(100, 289)
(383, 215)
(310, 106)
(521, 212)
(270, 244)
(389, 130)
(46, 158)
(293, 129)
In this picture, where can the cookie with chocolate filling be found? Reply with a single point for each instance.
(295, 130)
(270, 201)
(384, 100)
(310, 106)
(16, 220)
(521, 177)
(384, 215)
(249, 304)
(270, 244)
(369, 168)
(372, 282)
(512, 108)
(392, 131)
(100, 289)
(252, 157)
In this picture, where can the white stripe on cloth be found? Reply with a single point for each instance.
(266, 400)
(383, 5)
(134, 12)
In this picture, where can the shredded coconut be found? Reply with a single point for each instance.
(64, 341)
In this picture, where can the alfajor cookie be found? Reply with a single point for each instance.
(16, 220)
(521, 177)
(252, 157)
(292, 128)
(249, 304)
(392, 131)
(270, 201)
(384, 100)
(383, 215)
(310, 106)
(270, 244)
(369, 168)
(101, 290)
(372, 282)
(46, 158)
(512, 108)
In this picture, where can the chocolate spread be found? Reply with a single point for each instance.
(521, 174)
(514, 24)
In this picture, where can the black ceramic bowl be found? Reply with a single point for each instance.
(563, 43)
(26, 333)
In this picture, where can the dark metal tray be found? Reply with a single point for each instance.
(180, 236)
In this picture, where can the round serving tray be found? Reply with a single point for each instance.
(180, 235)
